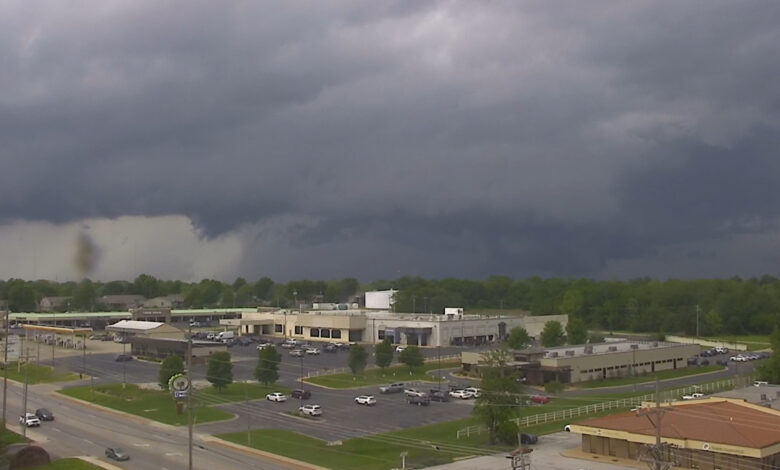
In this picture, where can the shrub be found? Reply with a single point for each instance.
(507, 433)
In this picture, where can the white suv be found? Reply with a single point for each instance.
(276, 396)
(29, 420)
(311, 410)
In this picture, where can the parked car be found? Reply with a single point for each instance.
(264, 345)
(693, 396)
(721, 362)
(392, 388)
(400, 348)
(117, 454)
(413, 392)
(692, 361)
(419, 400)
(123, 358)
(331, 348)
(300, 394)
(44, 415)
(738, 358)
(296, 353)
(722, 350)
(474, 391)
(367, 400)
(528, 438)
(436, 394)
(276, 396)
(311, 410)
(462, 394)
(29, 420)
(313, 351)
(704, 362)
(540, 399)
(759, 383)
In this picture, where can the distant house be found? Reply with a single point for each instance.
(53, 304)
(122, 302)
(167, 301)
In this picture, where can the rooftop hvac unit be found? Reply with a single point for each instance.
(634, 346)
(554, 354)
(588, 349)
(612, 348)
(570, 352)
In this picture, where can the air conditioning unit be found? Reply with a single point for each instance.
(612, 348)
(634, 346)
(588, 349)
(570, 353)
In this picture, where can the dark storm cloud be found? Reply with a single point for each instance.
(447, 138)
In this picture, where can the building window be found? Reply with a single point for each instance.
(381, 334)
(335, 334)
(314, 332)
(298, 330)
(279, 328)
(324, 333)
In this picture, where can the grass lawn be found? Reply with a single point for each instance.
(68, 464)
(378, 377)
(38, 374)
(663, 375)
(753, 342)
(9, 437)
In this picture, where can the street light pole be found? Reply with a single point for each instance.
(5, 362)
(190, 389)
(300, 398)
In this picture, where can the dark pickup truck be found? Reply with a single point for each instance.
(419, 401)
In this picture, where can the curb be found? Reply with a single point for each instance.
(97, 461)
(297, 464)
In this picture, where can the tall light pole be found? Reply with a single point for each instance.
(300, 397)
(5, 362)
(697, 320)
(190, 389)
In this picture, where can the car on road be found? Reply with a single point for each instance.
(400, 349)
(264, 345)
(301, 394)
(413, 392)
(117, 453)
(462, 394)
(397, 387)
(567, 428)
(419, 400)
(437, 394)
(540, 399)
(311, 410)
(693, 396)
(313, 351)
(276, 396)
(367, 400)
(123, 358)
(29, 420)
(528, 438)
(474, 391)
(44, 415)
(296, 353)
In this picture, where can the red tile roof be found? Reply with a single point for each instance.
(725, 422)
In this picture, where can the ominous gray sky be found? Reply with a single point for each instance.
(375, 139)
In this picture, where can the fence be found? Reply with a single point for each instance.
(708, 343)
(666, 395)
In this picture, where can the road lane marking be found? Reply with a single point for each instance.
(172, 454)
(88, 441)
(141, 445)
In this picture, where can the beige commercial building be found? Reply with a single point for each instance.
(581, 363)
(402, 328)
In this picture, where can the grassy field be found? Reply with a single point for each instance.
(68, 464)
(160, 406)
(38, 374)
(663, 375)
(379, 377)
(9, 437)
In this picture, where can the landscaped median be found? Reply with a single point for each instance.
(379, 376)
(38, 374)
(159, 405)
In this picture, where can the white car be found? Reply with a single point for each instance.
(311, 410)
(721, 350)
(693, 396)
(474, 391)
(313, 351)
(567, 428)
(367, 400)
(759, 383)
(276, 396)
(462, 394)
(264, 345)
(413, 392)
(399, 349)
(29, 420)
(738, 358)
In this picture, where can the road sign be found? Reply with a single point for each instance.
(178, 394)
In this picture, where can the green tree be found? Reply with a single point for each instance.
(170, 366)
(576, 331)
(21, 297)
(518, 338)
(713, 323)
(146, 285)
(84, 296)
(383, 354)
(412, 357)
(572, 302)
(552, 334)
(220, 370)
(358, 358)
(497, 404)
(267, 370)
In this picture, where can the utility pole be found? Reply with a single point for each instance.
(5, 362)
(26, 377)
(697, 320)
(300, 398)
(656, 456)
(190, 389)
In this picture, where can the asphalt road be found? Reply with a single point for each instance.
(80, 430)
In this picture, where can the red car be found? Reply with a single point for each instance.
(540, 399)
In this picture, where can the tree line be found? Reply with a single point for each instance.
(723, 306)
